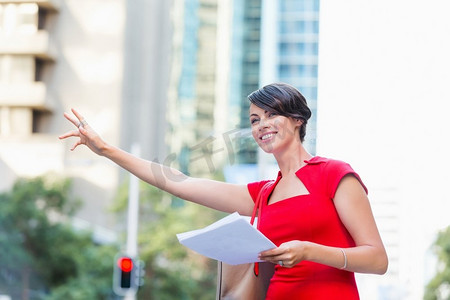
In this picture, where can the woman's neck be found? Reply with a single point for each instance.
(292, 161)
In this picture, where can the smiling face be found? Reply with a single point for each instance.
(283, 100)
(273, 132)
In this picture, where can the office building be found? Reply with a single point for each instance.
(108, 59)
(273, 41)
(199, 94)
(289, 51)
(26, 59)
(244, 74)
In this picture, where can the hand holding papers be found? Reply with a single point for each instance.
(232, 240)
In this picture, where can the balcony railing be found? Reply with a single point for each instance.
(31, 95)
(27, 44)
(50, 5)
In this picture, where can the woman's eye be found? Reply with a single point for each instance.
(272, 114)
(253, 121)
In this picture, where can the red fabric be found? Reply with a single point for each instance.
(313, 218)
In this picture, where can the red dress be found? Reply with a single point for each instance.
(313, 218)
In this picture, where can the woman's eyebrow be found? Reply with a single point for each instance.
(256, 115)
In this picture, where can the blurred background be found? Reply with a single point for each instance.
(171, 78)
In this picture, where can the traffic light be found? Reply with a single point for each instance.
(128, 275)
(125, 265)
(124, 278)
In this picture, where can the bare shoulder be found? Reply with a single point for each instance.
(350, 185)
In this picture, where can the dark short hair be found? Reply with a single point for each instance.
(285, 100)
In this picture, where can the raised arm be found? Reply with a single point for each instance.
(214, 194)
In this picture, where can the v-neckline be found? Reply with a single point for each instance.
(279, 177)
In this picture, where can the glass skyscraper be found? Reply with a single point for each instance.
(289, 49)
(298, 28)
(245, 64)
(193, 85)
(274, 41)
(267, 41)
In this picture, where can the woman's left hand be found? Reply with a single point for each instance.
(287, 254)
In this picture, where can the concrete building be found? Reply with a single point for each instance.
(26, 57)
(108, 59)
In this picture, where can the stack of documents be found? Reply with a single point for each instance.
(232, 240)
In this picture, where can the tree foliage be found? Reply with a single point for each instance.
(42, 256)
(439, 287)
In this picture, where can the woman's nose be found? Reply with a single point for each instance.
(263, 124)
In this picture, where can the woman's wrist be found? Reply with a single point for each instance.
(336, 257)
(106, 150)
(308, 250)
(344, 266)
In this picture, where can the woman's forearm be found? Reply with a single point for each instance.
(221, 196)
(156, 174)
(361, 259)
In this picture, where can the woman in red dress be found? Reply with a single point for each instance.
(316, 211)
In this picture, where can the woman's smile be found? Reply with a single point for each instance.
(267, 137)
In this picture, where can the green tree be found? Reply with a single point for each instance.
(172, 271)
(439, 287)
(42, 256)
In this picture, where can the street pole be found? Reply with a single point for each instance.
(133, 214)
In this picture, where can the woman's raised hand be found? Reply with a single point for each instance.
(87, 136)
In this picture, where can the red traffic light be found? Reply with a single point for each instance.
(125, 264)
(127, 276)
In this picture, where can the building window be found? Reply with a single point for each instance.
(310, 92)
(41, 119)
(299, 5)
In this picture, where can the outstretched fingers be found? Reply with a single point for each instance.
(78, 121)
(76, 145)
(81, 120)
(69, 134)
(85, 134)
(72, 120)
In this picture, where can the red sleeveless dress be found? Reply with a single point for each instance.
(313, 218)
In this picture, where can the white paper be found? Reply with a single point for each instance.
(232, 240)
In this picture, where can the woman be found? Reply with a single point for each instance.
(316, 211)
